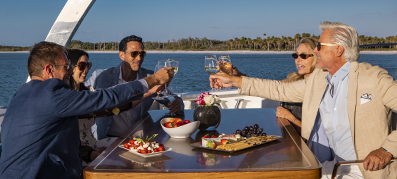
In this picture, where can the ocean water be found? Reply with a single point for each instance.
(191, 76)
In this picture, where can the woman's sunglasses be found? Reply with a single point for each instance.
(302, 55)
(134, 54)
(83, 65)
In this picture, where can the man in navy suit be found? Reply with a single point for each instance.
(132, 54)
(40, 131)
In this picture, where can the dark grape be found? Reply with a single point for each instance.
(238, 131)
(260, 129)
(256, 126)
(263, 134)
(251, 127)
(244, 133)
(246, 128)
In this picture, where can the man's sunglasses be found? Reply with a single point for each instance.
(326, 44)
(83, 65)
(302, 55)
(134, 54)
(68, 66)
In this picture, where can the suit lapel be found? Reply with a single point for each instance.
(352, 96)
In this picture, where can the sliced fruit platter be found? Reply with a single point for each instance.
(235, 142)
(145, 147)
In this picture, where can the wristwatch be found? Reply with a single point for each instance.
(384, 150)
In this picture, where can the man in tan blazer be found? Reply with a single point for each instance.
(367, 96)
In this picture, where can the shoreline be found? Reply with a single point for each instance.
(222, 52)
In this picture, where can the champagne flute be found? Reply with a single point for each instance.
(225, 64)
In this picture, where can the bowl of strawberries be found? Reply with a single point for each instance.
(178, 128)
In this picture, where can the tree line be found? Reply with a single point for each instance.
(266, 43)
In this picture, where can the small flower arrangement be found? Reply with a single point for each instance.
(207, 99)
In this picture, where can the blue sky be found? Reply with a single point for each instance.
(25, 22)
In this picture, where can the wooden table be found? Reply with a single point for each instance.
(288, 157)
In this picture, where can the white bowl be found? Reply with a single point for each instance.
(182, 131)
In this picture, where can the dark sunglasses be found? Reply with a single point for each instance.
(83, 65)
(326, 44)
(302, 55)
(134, 54)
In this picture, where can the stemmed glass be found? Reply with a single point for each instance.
(172, 95)
(162, 64)
(225, 64)
(210, 65)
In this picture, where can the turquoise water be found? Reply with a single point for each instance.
(191, 74)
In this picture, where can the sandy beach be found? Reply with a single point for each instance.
(227, 52)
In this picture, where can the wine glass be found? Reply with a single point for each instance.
(210, 65)
(174, 64)
(161, 64)
(225, 64)
(172, 95)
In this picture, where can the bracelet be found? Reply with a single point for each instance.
(293, 120)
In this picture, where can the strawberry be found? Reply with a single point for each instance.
(168, 125)
(139, 151)
(155, 150)
(186, 122)
(178, 124)
(206, 136)
(161, 144)
(213, 136)
(143, 151)
(136, 146)
(147, 142)
(149, 151)
(224, 141)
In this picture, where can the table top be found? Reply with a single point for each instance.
(287, 154)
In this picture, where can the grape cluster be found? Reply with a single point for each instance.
(251, 131)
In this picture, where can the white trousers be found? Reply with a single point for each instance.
(344, 171)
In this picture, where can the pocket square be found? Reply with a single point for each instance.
(366, 98)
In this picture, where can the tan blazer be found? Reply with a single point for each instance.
(370, 122)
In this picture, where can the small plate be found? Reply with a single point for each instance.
(146, 155)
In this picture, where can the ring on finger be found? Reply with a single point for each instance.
(376, 168)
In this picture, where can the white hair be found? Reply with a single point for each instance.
(344, 36)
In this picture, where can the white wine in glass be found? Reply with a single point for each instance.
(210, 70)
(225, 64)
(174, 64)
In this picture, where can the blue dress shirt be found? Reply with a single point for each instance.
(334, 117)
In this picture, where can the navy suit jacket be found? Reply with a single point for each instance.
(40, 131)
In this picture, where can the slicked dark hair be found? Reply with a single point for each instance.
(123, 43)
(41, 54)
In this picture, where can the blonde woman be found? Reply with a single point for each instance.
(305, 61)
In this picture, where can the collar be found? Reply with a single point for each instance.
(341, 74)
(121, 76)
